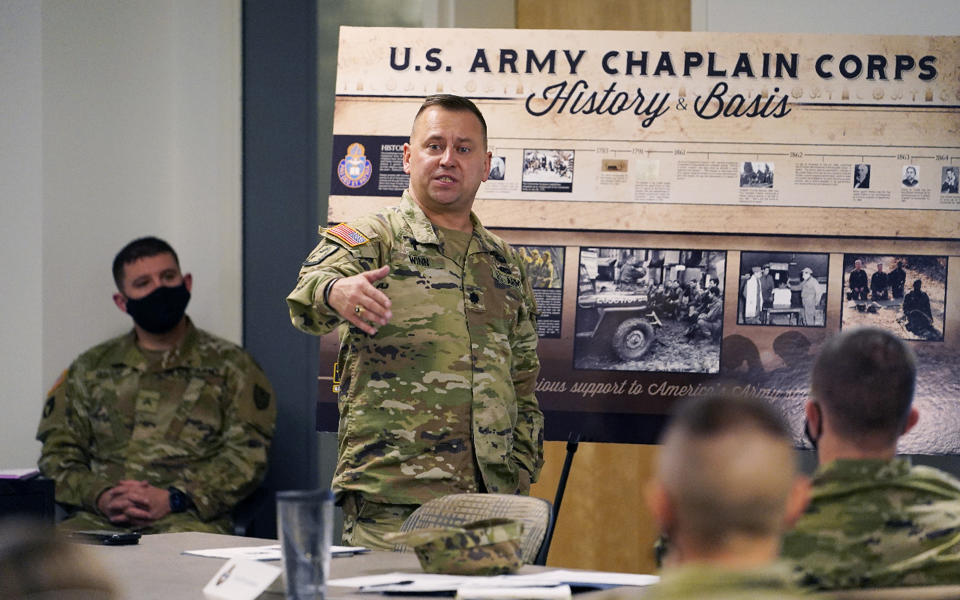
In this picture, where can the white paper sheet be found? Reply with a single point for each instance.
(271, 552)
(413, 583)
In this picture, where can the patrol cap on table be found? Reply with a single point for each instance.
(486, 547)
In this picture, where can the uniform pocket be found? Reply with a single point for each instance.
(198, 421)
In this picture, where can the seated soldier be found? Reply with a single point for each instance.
(916, 310)
(709, 322)
(724, 491)
(165, 428)
(874, 520)
(673, 298)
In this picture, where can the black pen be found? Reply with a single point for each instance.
(388, 584)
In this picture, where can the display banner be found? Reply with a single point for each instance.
(696, 210)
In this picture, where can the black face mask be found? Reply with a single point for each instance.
(160, 310)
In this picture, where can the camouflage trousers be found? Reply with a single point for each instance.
(172, 523)
(365, 522)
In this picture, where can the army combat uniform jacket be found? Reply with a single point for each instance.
(198, 418)
(441, 399)
(878, 523)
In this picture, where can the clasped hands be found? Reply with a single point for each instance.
(134, 503)
(359, 302)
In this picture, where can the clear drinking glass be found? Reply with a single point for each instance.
(305, 528)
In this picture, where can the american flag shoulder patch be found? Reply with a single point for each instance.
(348, 234)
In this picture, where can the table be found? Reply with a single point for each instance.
(794, 316)
(155, 569)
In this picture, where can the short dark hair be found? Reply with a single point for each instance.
(454, 103)
(137, 249)
(865, 378)
(717, 414)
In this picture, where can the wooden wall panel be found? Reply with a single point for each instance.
(603, 521)
(631, 15)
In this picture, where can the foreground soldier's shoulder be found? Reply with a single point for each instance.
(925, 473)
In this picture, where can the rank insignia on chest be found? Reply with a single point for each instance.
(348, 234)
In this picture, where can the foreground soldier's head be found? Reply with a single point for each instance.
(726, 486)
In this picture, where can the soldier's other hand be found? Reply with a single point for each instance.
(147, 504)
(357, 300)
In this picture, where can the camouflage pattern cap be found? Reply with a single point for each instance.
(487, 547)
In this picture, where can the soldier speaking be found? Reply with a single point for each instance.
(437, 363)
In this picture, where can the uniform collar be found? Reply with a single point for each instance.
(703, 578)
(424, 232)
(859, 470)
(128, 354)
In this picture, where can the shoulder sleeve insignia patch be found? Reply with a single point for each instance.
(59, 382)
(261, 398)
(348, 234)
(48, 407)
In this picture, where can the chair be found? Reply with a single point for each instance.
(456, 509)
(246, 514)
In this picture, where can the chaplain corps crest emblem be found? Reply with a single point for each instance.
(354, 170)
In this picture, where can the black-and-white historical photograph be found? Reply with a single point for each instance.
(950, 177)
(756, 174)
(651, 310)
(547, 170)
(498, 168)
(783, 288)
(911, 176)
(861, 176)
(903, 294)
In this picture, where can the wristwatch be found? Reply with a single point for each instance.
(179, 501)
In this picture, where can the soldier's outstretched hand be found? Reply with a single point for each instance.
(358, 301)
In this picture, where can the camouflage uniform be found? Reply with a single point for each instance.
(441, 400)
(877, 523)
(198, 418)
(708, 582)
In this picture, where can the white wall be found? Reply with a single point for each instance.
(21, 286)
(120, 118)
(891, 17)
